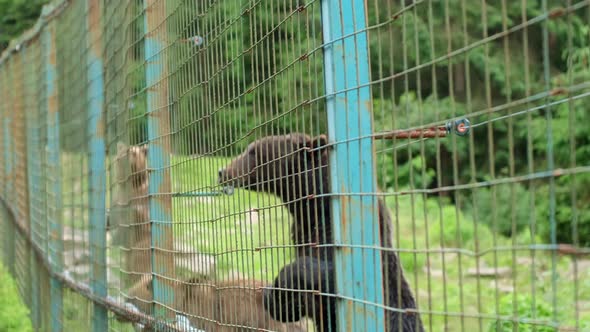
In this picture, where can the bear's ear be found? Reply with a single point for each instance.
(316, 144)
(144, 149)
(319, 141)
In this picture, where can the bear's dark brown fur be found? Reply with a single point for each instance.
(295, 168)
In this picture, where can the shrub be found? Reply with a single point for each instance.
(405, 173)
(14, 315)
(570, 217)
(449, 235)
(525, 311)
(502, 208)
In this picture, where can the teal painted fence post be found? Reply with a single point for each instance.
(3, 165)
(160, 200)
(53, 178)
(33, 152)
(355, 217)
(6, 140)
(96, 164)
(8, 165)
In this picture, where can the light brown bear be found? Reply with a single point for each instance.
(129, 217)
(225, 306)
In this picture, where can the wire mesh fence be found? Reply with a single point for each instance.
(299, 165)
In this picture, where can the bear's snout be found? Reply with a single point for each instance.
(231, 176)
(223, 175)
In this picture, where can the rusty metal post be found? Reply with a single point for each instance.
(9, 162)
(7, 137)
(33, 172)
(53, 179)
(355, 217)
(160, 200)
(2, 140)
(96, 164)
(21, 97)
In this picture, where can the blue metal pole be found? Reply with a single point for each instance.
(159, 188)
(54, 174)
(6, 139)
(8, 175)
(3, 99)
(96, 148)
(33, 152)
(355, 218)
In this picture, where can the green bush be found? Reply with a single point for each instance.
(14, 315)
(456, 230)
(410, 261)
(571, 142)
(572, 219)
(497, 211)
(412, 173)
(525, 311)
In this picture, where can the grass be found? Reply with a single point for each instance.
(246, 232)
(447, 287)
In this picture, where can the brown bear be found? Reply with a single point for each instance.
(225, 306)
(129, 217)
(295, 168)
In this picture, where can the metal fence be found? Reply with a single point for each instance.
(299, 165)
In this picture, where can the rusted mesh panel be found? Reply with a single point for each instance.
(4, 106)
(35, 143)
(73, 139)
(22, 267)
(20, 142)
(489, 225)
(6, 138)
(480, 219)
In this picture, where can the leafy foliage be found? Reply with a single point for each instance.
(17, 16)
(14, 315)
(495, 208)
(516, 140)
(526, 308)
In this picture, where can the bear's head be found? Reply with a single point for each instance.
(132, 161)
(275, 163)
(131, 185)
(138, 162)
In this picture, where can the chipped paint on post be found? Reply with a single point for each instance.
(8, 176)
(19, 146)
(7, 155)
(3, 98)
(53, 183)
(32, 131)
(7, 135)
(160, 203)
(97, 155)
(355, 217)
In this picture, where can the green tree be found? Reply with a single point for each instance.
(16, 16)
(496, 70)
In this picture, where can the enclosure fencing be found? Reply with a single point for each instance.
(301, 165)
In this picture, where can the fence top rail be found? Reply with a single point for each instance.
(50, 11)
